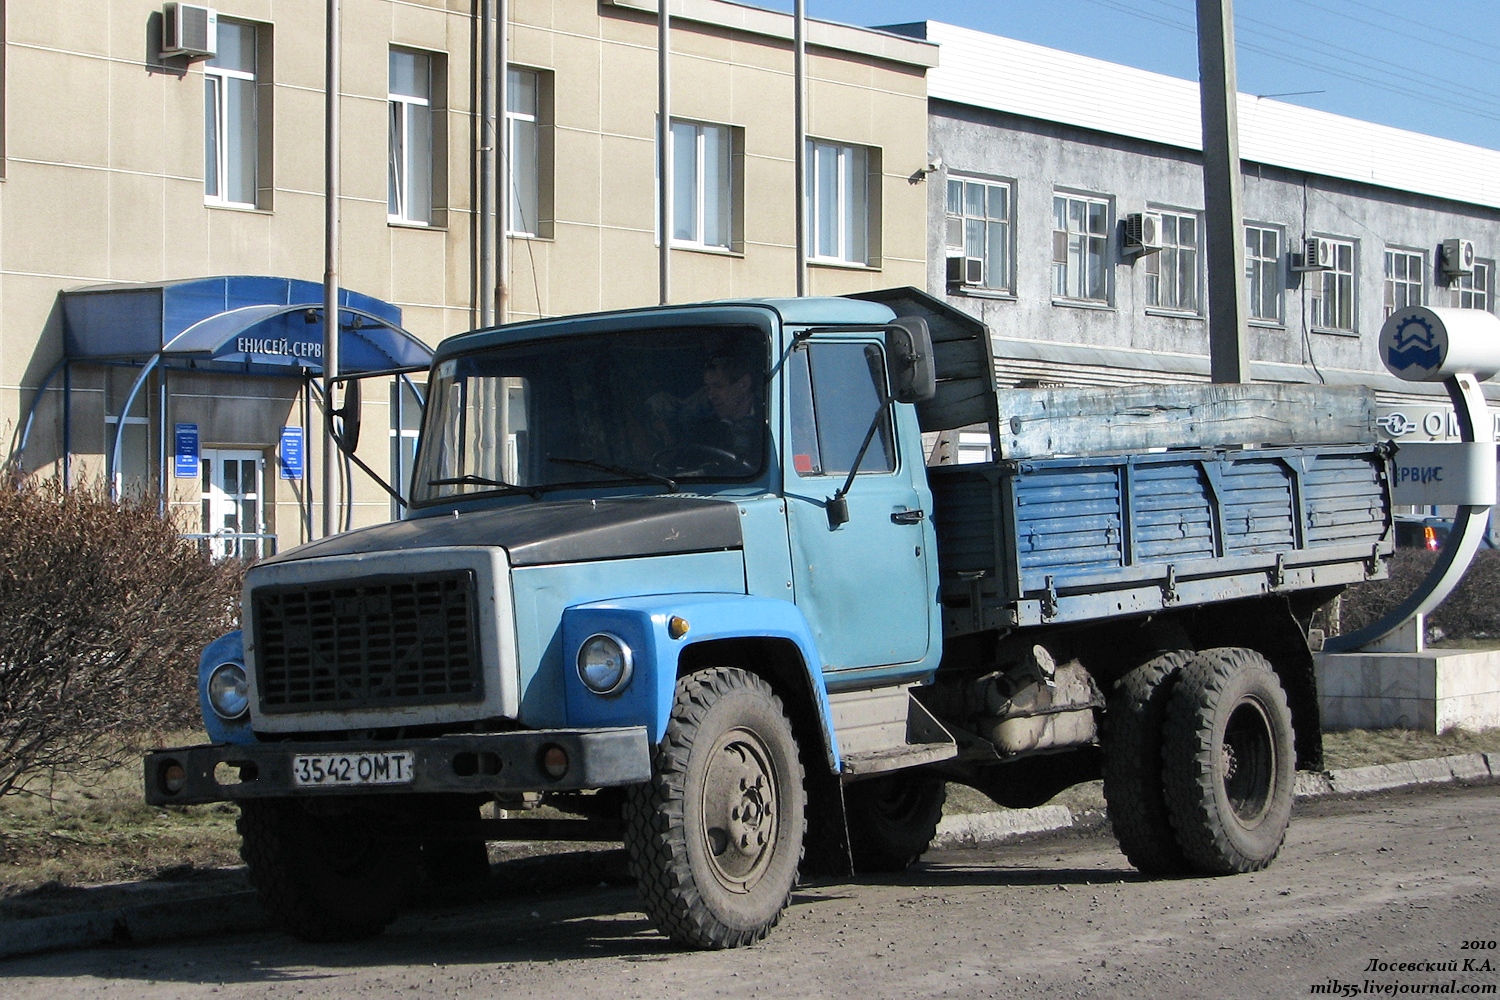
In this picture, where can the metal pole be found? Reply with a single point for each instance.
(1228, 361)
(331, 268)
(485, 188)
(664, 151)
(503, 180)
(161, 440)
(799, 138)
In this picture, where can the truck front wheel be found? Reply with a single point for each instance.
(893, 818)
(715, 838)
(1227, 762)
(323, 878)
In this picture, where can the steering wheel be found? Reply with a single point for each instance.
(696, 460)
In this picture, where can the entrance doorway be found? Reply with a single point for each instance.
(233, 514)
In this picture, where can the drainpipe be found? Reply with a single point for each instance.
(664, 151)
(485, 188)
(799, 138)
(330, 268)
(502, 181)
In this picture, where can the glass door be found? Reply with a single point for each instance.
(232, 509)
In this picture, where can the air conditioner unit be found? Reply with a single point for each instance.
(965, 271)
(1458, 258)
(189, 30)
(1317, 255)
(1143, 232)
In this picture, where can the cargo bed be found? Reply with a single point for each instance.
(1055, 540)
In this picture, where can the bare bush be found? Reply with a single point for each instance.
(103, 610)
(1472, 611)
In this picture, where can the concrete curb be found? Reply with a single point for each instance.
(239, 913)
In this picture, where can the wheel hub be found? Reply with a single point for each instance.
(740, 811)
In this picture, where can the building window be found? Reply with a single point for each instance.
(523, 119)
(1403, 279)
(1472, 291)
(1080, 228)
(230, 130)
(979, 221)
(1263, 273)
(409, 190)
(1333, 301)
(1172, 272)
(702, 185)
(838, 203)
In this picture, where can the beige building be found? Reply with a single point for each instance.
(134, 168)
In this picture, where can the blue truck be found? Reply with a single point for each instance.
(708, 579)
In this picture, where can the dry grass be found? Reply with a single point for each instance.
(102, 831)
(1360, 747)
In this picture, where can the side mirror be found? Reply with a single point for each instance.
(345, 420)
(908, 351)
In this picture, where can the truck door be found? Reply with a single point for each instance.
(862, 585)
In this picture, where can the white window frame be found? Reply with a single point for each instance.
(852, 236)
(1339, 285)
(1475, 288)
(216, 130)
(1257, 264)
(519, 122)
(1166, 268)
(399, 116)
(960, 224)
(1087, 244)
(697, 187)
(1395, 287)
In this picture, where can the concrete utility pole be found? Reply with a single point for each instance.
(331, 271)
(1227, 358)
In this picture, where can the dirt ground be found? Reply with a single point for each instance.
(1399, 878)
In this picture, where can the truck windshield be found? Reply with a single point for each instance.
(658, 406)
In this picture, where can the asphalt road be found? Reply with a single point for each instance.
(1406, 877)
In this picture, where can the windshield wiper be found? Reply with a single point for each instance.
(472, 480)
(589, 463)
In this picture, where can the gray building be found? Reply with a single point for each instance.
(1045, 167)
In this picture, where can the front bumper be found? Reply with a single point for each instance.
(491, 762)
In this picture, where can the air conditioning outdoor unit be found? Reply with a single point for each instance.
(1317, 255)
(1143, 232)
(965, 271)
(1458, 258)
(189, 30)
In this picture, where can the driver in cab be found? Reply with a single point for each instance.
(720, 429)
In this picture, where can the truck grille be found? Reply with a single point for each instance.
(378, 642)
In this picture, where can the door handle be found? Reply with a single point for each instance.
(908, 516)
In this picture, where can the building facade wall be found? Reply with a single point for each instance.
(1126, 336)
(104, 181)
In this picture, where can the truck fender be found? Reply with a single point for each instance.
(228, 648)
(644, 626)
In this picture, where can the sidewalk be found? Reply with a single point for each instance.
(224, 907)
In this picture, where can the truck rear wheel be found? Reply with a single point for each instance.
(1132, 765)
(715, 838)
(893, 818)
(323, 878)
(1228, 763)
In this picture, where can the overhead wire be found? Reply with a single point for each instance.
(1430, 92)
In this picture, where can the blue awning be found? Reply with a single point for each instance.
(240, 323)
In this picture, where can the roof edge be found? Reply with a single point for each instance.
(876, 42)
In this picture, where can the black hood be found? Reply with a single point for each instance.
(554, 531)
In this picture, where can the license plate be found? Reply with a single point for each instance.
(343, 769)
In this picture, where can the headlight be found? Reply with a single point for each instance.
(227, 691)
(604, 663)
